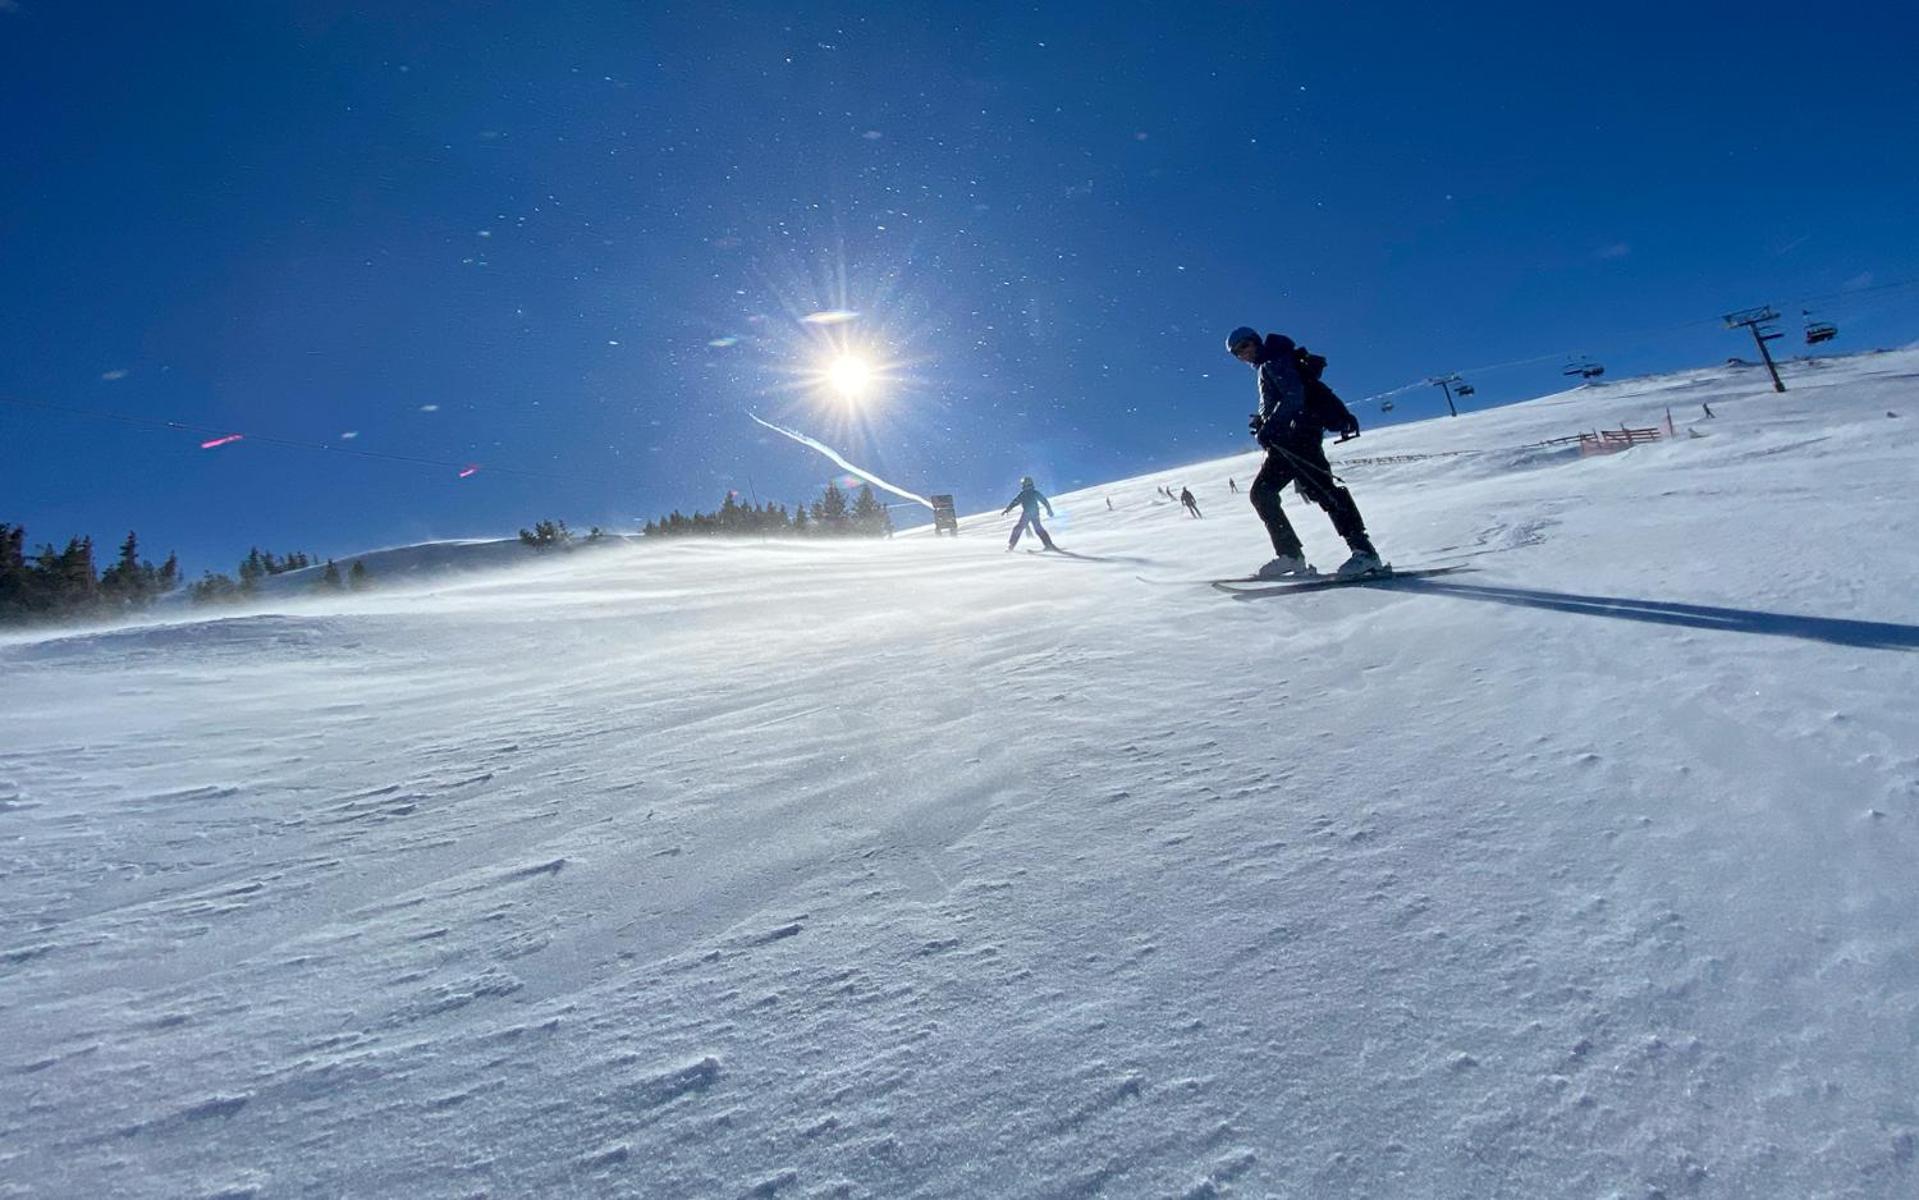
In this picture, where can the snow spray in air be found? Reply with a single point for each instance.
(835, 455)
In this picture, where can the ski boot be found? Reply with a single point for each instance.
(1363, 563)
(1287, 566)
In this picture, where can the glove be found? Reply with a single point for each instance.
(1253, 424)
(1350, 429)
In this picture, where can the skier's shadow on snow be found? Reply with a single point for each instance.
(1105, 558)
(1867, 635)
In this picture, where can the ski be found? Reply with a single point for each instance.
(1254, 586)
(1308, 576)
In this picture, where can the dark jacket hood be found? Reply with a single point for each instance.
(1276, 345)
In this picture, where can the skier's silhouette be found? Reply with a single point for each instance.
(1028, 502)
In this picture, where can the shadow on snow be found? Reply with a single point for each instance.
(1869, 635)
(1100, 558)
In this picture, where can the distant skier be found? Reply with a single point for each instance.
(1295, 412)
(1232, 485)
(1186, 498)
(1028, 502)
(1109, 504)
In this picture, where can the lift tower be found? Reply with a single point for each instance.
(1755, 320)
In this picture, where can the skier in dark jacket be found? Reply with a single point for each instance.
(1295, 412)
(1028, 502)
(1186, 498)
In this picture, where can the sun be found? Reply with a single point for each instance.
(850, 376)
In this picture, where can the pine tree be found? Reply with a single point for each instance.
(16, 580)
(169, 572)
(829, 511)
(128, 581)
(330, 578)
(46, 575)
(211, 588)
(78, 583)
(802, 524)
(869, 515)
(130, 555)
(357, 577)
(545, 535)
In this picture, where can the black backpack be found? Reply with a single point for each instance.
(1323, 406)
(1309, 365)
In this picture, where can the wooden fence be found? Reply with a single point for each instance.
(1612, 441)
(1599, 441)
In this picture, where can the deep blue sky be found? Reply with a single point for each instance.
(297, 219)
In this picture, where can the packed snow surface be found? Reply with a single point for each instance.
(921, 869)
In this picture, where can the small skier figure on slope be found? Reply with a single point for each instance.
(1028, 502)
(1295, 412)
(1186, 498)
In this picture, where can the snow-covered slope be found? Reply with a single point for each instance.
(425, 562)
(921, 869)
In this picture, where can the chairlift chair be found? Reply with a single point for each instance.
(1820, 331)
(1462, 388)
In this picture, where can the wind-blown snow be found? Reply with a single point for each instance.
(917, 868)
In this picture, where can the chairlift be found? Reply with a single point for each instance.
(1820, 331)
(1453, 386)
(1385, 406)
(1585, 369)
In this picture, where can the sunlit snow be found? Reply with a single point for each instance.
(915, 867)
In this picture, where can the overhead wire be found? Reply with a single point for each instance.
(1842, 293)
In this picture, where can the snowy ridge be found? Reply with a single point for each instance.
(917, 868)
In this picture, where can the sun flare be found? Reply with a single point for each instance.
(850, 376)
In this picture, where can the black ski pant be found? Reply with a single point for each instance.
(1304, 463)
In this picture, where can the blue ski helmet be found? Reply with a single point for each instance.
(1239, 337)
